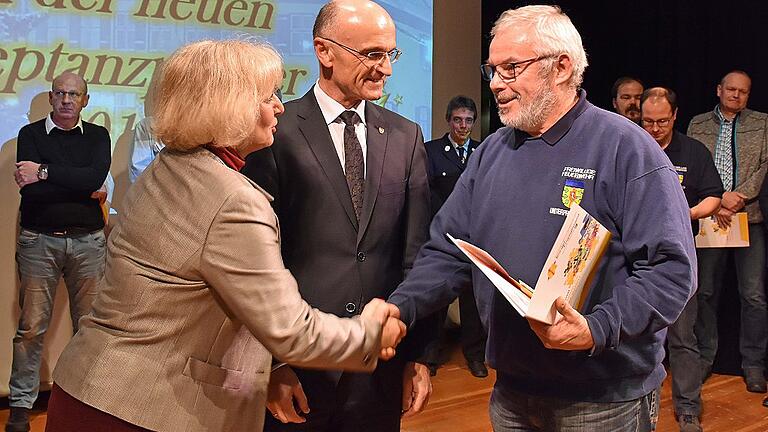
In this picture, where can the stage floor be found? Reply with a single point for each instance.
(460, 403)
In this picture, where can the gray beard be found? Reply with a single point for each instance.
(533, 112)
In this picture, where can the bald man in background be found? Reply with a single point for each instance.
(737, 137)
(61, 161)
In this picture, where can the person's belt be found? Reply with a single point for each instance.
(69, 232)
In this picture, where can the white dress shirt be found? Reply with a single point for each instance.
(50, 125)
(331, 111)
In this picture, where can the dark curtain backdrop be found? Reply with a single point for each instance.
(685, 45)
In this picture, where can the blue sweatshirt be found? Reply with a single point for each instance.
(512, 200)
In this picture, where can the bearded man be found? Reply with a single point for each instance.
(598, 368)
(625, 97)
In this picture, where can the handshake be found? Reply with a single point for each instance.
(392, 329)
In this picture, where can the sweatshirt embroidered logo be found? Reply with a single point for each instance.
(681, 170)
(573, 192)
(579, 173)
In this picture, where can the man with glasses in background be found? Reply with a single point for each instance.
(62, 162)
(702, 188)
(598, 368)
(350, 187)
(737, 137)
(447, 157)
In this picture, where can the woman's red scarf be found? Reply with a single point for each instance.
(228, 155)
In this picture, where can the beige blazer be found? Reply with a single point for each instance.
(194, 302)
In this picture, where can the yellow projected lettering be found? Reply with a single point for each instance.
(101, 118)
(236, 13)
(102, 6)
(27, 64)
(24, 64)
(293, 77)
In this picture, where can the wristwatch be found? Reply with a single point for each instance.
(42, 172)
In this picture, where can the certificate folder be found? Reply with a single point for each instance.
(712, 235)
(568, 270)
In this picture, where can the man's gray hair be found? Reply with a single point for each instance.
(735, 71)
(551, 33)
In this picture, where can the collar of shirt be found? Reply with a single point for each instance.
(674, 145)
(50, 125)
(331, 109)
(560, 128)
(722, 119)
(457, 145)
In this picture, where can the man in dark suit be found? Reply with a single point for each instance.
(447, 157)
(351, 192)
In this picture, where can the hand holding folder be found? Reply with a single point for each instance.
(567, 273)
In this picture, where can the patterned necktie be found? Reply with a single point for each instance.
(353, 160)
(463, 159)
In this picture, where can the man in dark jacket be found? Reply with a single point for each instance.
(350, 186)
(446, 159)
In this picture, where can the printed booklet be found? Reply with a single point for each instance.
(568, 272)
(712, 235)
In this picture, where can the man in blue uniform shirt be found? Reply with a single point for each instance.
(598, 368)
(702, 188)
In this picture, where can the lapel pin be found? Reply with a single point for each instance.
(381, 130)
(447, 148)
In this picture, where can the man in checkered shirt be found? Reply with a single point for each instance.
(738, 140)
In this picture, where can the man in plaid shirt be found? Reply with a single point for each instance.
(737, 138)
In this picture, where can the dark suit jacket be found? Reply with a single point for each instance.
(341, 265)
(444, 168)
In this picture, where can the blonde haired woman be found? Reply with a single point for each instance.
(195, 298)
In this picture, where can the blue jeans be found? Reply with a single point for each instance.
(512, 411)
(684, 362)
(41, 261)
(750, 273)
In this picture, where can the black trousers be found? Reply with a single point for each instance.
(349, 402)
(473, 336)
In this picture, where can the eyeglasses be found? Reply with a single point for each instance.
(661, 123)
(508, 72)
(278, 94)
(60, 94)
(374, 56)
(458, 121)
